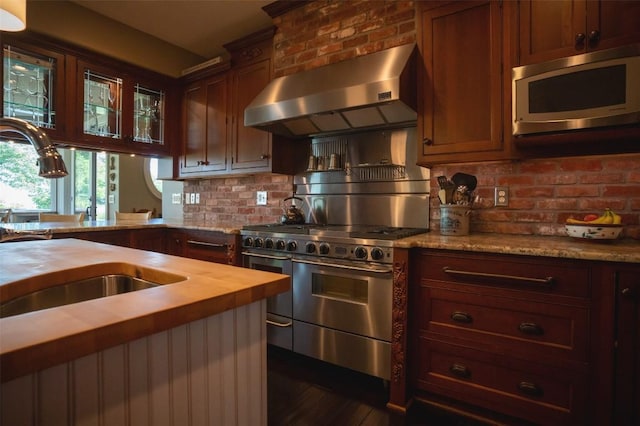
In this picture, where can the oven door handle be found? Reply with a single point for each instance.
(280, 324)
(265, 256)
(349, 267)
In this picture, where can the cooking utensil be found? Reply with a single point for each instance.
(470, 181)
(292, 215)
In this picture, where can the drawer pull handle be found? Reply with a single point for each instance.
(206, 244)
(547, 282)
(530, 389)
(462, 317)
(531, 329)
(460, 370)
(279, 324)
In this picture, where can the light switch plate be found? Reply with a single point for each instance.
(193, 197)
(261, 198)
(176, 198)
(197, 198)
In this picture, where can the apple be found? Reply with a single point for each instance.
(590, 217)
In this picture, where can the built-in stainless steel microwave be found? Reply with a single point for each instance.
(597, 89)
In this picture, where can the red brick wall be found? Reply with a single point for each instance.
(232, 200)
(329, 31)
(543, 193)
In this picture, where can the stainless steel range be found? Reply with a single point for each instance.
(341, 259)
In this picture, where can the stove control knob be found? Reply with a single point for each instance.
(324, 248)
(258, 242)
(268, 243)
(377, 253)
(292, 246)
(248, 242)
(310, 248)
(280, 245)
(360, 253)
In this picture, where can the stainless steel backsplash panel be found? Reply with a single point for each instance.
(373, 195)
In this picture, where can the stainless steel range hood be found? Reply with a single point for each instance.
(372, 91)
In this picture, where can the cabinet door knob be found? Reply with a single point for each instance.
(427, 141)
(460, 370)
(531, 329)
(628, 293)
(594, 38)
(530, 389)
(264, 156)
(580, 38)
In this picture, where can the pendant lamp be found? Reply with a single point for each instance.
(13, 15)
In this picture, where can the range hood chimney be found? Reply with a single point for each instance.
(372, 91)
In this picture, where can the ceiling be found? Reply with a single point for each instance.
(198, 26)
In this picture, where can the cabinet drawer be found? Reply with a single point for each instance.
(539, 276)
(514, 326)
(522, 389)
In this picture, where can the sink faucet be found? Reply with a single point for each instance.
(50, 161)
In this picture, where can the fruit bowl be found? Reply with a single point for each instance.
(594, 232)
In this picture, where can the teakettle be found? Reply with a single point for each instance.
(292, 215)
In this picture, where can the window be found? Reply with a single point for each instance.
(20, 186)
(151, 176)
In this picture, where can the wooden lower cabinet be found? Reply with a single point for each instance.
(211, 246)
(508, 334)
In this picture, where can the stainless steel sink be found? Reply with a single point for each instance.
(78, 291)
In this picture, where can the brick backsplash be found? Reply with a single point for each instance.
(233, 199)
(544, 193)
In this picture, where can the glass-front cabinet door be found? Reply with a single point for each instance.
(33, 81)
(148, 115)
(119, 112)
(102, 105)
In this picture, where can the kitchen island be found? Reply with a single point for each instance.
(189, 352)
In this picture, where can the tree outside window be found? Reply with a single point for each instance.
(20, 186)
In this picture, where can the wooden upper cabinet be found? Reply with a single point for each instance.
(119, 110)
(215, 139)
(205, 121)
(551, 29)
(251, 147)
(34, 86)
(462, 85)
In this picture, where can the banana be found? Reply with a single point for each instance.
(617, 219)
(573, 221)
(607, 218)
(604, 219)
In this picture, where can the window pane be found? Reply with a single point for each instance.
(20, 185)
(101, 185)
(82, 180)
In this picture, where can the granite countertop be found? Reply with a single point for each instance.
(41, 339)
(625, 250)
(111, 225)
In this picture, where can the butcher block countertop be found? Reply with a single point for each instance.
(40, 339)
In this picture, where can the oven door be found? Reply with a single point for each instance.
(344, 296)
(279, 307)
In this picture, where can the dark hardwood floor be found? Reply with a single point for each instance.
(306, 392)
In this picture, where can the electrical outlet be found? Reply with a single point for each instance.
(197, 198)
(176, 198)
(193, 197)
(261, 198)
(187, 198)
(501, 196)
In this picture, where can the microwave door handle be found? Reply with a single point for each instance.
(349, 267)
